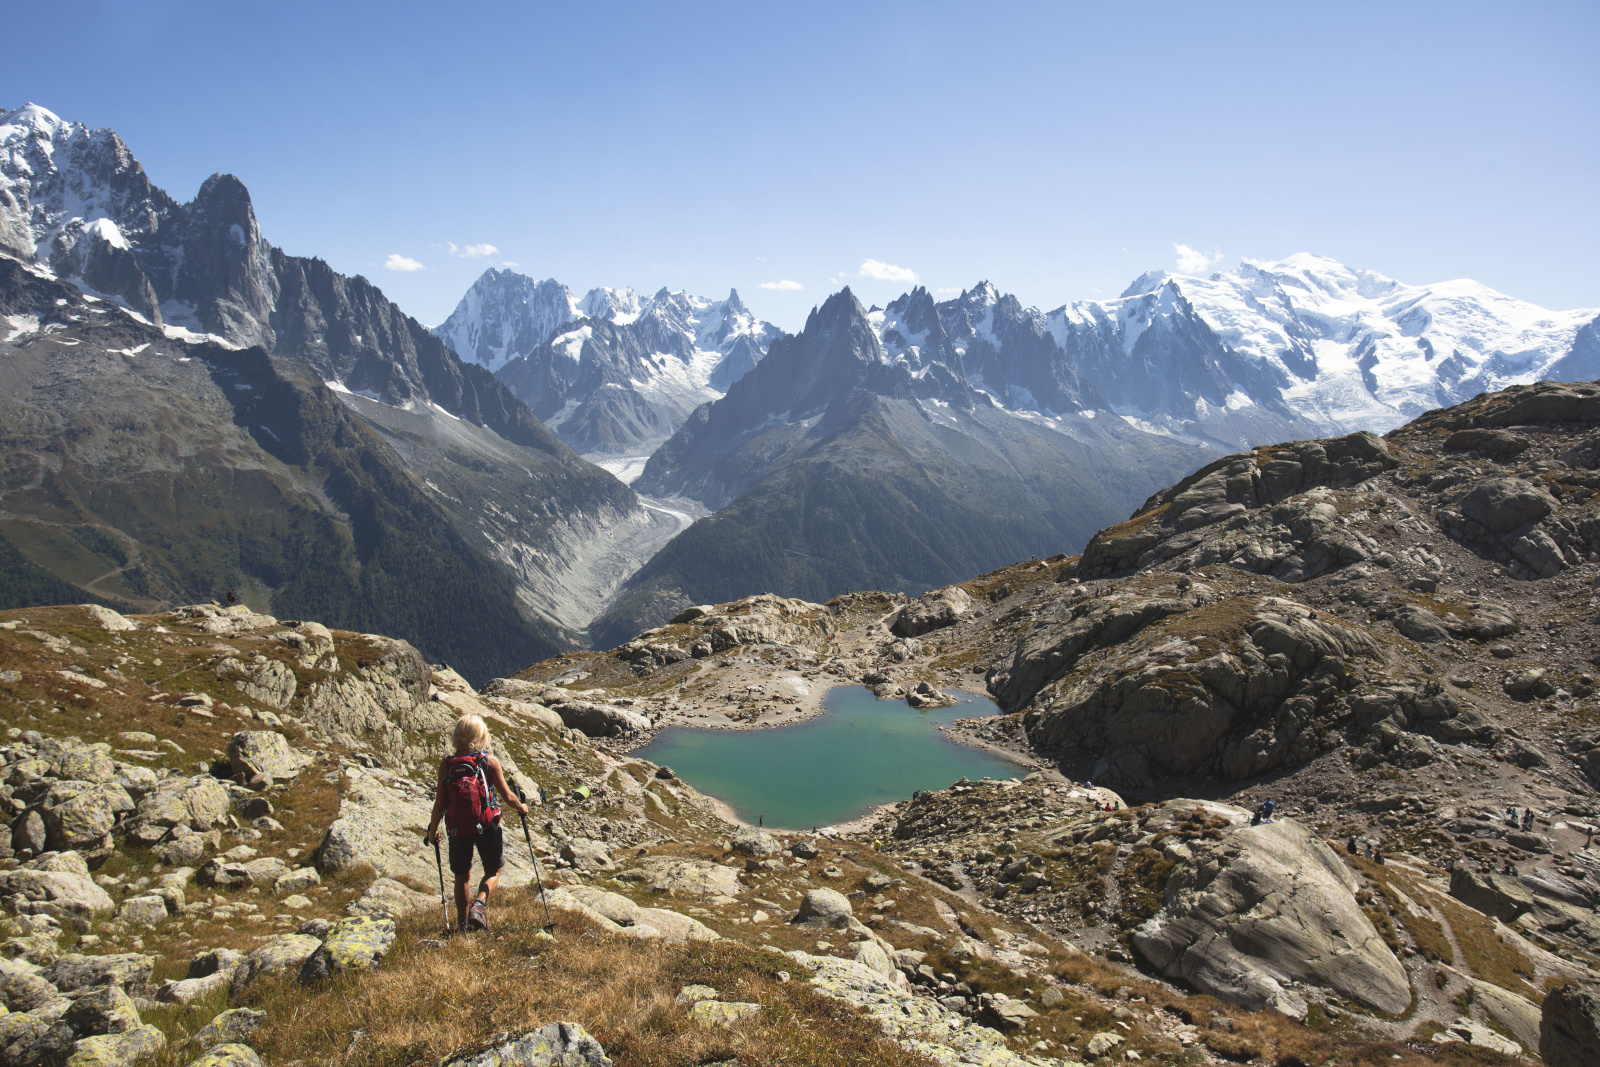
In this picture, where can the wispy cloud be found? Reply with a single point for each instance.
(949, 290)
(880, 271)
(787, 285)
(402, 263)
(1194, 261)
(472, 251)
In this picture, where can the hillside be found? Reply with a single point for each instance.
(148, 471)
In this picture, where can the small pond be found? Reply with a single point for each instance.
(860, 753)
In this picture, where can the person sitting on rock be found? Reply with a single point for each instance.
(467, 799)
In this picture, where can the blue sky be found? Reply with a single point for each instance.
(1058, 150)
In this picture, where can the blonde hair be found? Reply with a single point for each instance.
(471, 734)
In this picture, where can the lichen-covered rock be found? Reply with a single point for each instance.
(69, 890)
(297, 881)
(556, 1045)
(144, 910)
(284, 952)
(117, 1050)
(386, 898)
(1265, 904)
(230, 1055)
(233, 1025)
(586, 855)
(354, 944)
(21, 990)
(722, 1013)
(78, 814)
(130, 971)
(105, 1011)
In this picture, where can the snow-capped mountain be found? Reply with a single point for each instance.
(610, 372)
(77, 207)
(1266, 351)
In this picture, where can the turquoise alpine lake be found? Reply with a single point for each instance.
(860, 753)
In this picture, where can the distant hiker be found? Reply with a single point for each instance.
(1354, 847)
(761, 820)
(467, 799)
(1509, 868)
(232, 598)
(1377, 855)
(1527, 818)
(1266, 810)
(1511, 816)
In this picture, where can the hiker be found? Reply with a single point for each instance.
(1266, 810)
(1354, 847)
(467, 799)
(1511, 816)
(1527, 818)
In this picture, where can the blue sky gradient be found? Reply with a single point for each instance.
(1058, 150)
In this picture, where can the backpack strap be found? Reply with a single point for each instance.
(491, 803)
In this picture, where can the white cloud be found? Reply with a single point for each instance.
(509, 263)
(1194, 261)
(398, 262)
(472, 251)
(878, 270)
(787, 285)
(949, 290)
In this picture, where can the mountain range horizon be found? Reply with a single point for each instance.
(616, 457)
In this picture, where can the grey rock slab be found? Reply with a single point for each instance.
(1261, 907)
(264, 752)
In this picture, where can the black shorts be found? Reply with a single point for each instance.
(491, 850)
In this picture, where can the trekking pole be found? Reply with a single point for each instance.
(549, 923)
(439, 863)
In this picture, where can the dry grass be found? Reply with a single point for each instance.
(1425, 930)
(426, 1004)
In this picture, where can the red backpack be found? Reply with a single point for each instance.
(470, 806)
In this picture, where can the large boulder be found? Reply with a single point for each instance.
(824, 907)
(233, 1025)
(1500, 505)
(1569, 1026)
(754, 841)
(601, 720)
(1505, 897)
(354, 944)
(265, 753)
(1264, 905)
(935, 610)
(128, 971)
(81, 814)
(555, 1045)
(68, 890)
(283, 953)
(22, 990)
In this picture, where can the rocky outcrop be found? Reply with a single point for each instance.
(1569, 1027)
(1235, 688)
(1259, 510)
(1265, 905)
(600, 720)
(354, 944)
(935, 610)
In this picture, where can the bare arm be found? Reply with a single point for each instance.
(438, 807)
(497, 778)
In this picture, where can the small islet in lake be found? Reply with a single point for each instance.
(860, 753)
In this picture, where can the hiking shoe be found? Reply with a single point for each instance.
(476, 919)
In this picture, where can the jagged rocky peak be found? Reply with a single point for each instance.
(612, 373)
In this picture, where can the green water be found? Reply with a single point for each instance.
(860, 753)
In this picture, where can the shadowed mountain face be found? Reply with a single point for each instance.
(833, 468)
(145, 471)
(79, 206)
